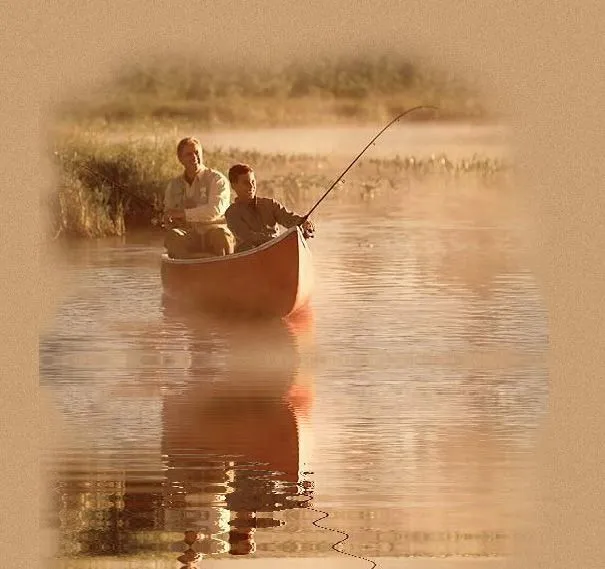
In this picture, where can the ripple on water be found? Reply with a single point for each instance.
(410, 399)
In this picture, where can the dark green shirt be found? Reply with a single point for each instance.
(256, 222)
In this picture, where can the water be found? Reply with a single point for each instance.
(405, 138)
(457, 140)
(404, 404)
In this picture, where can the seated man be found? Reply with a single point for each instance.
(252, 219)
(194, 207)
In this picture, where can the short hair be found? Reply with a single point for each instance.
(187, 140)
(237, 170)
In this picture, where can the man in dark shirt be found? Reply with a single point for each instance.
(252, 219)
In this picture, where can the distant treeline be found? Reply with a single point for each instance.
(351, 88)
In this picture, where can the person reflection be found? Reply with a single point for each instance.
(247, 424)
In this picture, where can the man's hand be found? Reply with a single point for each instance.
(189, 203)
(174, 216)
(308, 228)
(262, 236)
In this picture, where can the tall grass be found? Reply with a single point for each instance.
(105, 188)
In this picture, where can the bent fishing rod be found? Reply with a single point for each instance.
(393, 121)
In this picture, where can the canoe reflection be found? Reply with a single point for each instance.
(234, 432)
(235, 442)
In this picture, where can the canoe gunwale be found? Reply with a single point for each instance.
(232, 256)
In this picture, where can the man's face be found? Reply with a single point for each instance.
(191, 157)
(245, 187)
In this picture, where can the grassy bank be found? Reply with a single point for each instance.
(332, 90)
(108, 188)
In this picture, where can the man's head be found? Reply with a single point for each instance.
(243, 181)
(189, 153)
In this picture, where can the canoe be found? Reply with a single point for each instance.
(273, 280)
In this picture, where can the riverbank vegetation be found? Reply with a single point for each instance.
(352, 90)
(106, 188)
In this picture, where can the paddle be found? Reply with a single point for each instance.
(393, 121)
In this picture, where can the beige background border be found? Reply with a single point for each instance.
(542, 61)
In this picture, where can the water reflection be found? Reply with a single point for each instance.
(423, 367)
(234, 450)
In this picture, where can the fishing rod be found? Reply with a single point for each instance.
(361, 153)
(118, 186)
(114, 185)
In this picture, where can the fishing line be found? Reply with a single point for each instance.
(305, 217)
(401, 115)
(347, 536)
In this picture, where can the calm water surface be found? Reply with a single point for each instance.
(404, 403)
(456, 140)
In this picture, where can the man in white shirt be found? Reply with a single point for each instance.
(194, 206)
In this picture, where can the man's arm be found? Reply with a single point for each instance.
(284, 216)
(173, 209)
(219, 197)
(238, 226)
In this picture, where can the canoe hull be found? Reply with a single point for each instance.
(274, 280)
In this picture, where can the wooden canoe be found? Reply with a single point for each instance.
(272, 280)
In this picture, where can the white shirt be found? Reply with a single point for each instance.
(210, 190)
